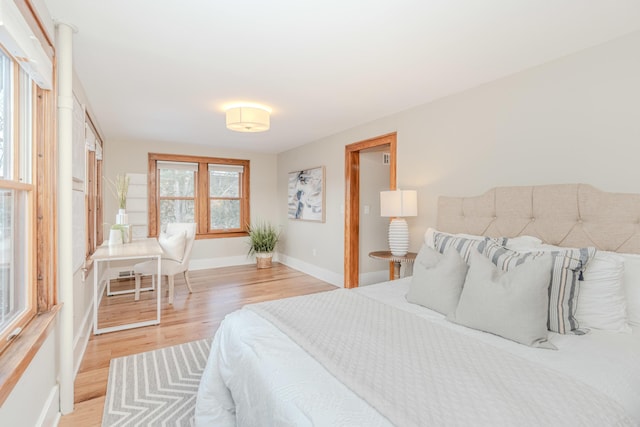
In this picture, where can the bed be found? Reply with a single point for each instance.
(368, 357)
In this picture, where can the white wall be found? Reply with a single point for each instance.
(82, 286)
(34, 399)
(374, 178)
(122, 156)
(574, 120)
(314, 247)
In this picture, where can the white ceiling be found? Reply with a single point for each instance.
(163, 70)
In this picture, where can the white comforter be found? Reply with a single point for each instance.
(257, 376)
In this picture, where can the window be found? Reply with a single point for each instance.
(93, 187)
(17, 199)
(213, 192)
(28, 204)
(225, 197)
(177, 192)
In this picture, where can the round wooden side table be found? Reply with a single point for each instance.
(395, 261)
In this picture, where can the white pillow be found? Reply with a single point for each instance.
(512, 304)
(437, 279)
(173, 245)
(602, 302)
(521, 243)
(631, 283)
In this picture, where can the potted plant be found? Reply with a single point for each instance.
(120, 188)
(263, 237)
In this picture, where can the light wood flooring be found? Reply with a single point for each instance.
(216, 292)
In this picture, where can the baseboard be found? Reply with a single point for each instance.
(312, 270)
(81, 340)
(373, 277)
(50, 415)
(204, 263)
(307, 268)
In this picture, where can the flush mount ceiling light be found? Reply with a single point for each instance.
(248, 118)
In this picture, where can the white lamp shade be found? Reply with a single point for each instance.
(248, 119)
(399, 203)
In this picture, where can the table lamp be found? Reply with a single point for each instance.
(398, 204)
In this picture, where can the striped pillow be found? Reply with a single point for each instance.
(464, 245)
(567, 268)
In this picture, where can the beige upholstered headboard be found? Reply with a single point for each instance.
(575, 215)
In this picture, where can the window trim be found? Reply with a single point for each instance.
(201, 194)
(16, 357)
(93, 193)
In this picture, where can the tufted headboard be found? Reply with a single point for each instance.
(574, 215)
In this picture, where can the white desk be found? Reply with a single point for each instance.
(137, 249)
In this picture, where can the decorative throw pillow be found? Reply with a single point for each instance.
(515, 243)
(437, 279)
(632, 287)
(601, 301)
(567, 269)
(463, 244)
(429, 236)
(521, 243)
(512, 304)
(173, 245)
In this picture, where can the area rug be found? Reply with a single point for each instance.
(156, 388)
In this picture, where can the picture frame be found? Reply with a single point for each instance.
(306, 194)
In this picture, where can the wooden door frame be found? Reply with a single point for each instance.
(352, 200)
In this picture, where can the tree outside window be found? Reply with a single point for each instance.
(177, 191)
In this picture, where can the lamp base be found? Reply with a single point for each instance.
(398, 237)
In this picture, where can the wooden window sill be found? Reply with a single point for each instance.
(16, 357)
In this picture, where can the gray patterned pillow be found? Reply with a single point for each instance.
(565, 273)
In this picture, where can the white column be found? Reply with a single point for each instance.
(64, 49)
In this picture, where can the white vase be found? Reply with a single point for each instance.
(115, 237)
(122, 217)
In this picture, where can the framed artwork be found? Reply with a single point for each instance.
(306, 194)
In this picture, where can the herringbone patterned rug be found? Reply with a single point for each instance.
(156, 388)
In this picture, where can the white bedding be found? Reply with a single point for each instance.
(264, 378)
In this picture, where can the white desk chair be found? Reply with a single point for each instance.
(170, 265)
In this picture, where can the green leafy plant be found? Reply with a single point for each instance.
(120, 188)
(263, 237)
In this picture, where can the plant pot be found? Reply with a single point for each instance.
(263, 259)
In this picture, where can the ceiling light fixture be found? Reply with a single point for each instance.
(248, 118)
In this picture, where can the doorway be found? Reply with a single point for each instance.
(352, 200)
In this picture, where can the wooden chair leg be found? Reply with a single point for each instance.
(170, 279)
(186, 279)
(137, 292)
